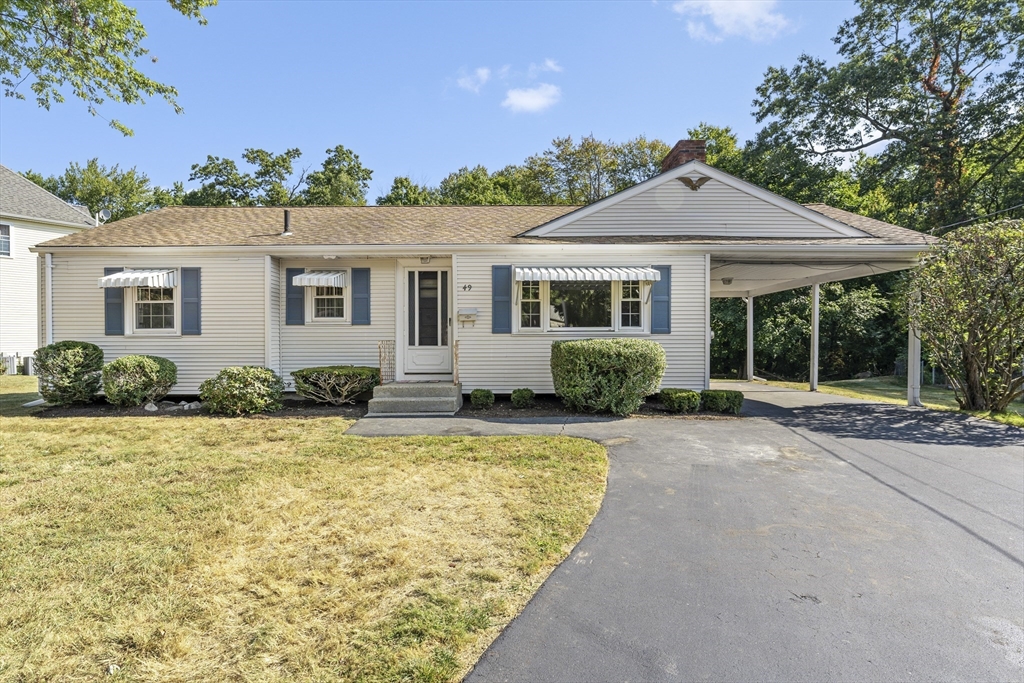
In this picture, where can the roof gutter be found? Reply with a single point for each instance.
(45, 221)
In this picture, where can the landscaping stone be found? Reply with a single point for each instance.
(152, 407)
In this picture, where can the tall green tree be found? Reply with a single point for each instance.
(967, 302)
(341, 181)
(404, 192)
(123, 192)
(937, 86)
(89, 47)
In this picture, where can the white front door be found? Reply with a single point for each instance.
(428, 322)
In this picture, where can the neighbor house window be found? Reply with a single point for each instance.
(5, 240)
(328, 302)
(582, 305)
(154, 308)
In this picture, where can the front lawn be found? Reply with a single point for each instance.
(149, 549)
(894, 390)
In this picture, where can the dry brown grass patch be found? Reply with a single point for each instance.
(205, 549)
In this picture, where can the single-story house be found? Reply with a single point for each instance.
(28, 215)
(465, 294)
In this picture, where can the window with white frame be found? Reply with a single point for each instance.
(328, 303)
(155, 309)
(582, 305)
(5, 240)
(631, 305)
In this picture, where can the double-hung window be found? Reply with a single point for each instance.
(585, 305)
(5, 240)
(326, 295)
(154, 309)
(328, 303)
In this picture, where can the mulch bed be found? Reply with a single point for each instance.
(300, 408)
(545, 405)
(549, 405)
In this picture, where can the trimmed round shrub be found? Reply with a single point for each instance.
(134, 380)
(721, 401)
(481, 398)
(522, 398)
(680, 400)
(69, 372)
(335, 384)
(242, 390)
(606, 374)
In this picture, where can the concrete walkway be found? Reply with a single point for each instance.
(824, 538)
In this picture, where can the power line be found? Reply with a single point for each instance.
(978, 218)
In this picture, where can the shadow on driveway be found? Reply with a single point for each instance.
(887, 422)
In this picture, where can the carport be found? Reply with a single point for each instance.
(747, 271)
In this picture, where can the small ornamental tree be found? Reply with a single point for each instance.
(967, 301)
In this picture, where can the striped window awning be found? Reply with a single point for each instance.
(593, 274)
(139, 278)
(320, 278)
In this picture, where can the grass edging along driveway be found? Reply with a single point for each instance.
(894, 390)
(203, 548)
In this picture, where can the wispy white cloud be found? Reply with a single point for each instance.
(474, 81)
(755, 20)
(546, 65)
(532, 100)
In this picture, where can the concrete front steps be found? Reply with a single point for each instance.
(415, 398)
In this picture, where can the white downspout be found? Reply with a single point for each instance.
(49, 299)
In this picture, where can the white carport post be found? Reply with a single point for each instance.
(814, 336)
(750, 339)
(913, 368)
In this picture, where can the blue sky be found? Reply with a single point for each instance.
(422, 88)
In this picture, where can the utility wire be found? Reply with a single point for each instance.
(978, 218)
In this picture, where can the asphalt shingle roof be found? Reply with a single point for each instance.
(412, 225)
(19, 196)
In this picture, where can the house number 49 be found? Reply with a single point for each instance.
(467, 288)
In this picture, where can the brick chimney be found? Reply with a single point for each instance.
(685, 150)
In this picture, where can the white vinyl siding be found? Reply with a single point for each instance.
(503, 362)
(714, 210)
(338, 342)
(232, 310)
(21, 287)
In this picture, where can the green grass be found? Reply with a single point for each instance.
(894, 390)
(16, 390)
(154, 549)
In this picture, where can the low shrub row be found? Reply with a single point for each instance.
(708, 400)
(73, 372)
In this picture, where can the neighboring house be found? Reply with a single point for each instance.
(28, 215)
(471, 293)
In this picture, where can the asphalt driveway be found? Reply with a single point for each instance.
(822, 538)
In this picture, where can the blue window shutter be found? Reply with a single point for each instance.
(501, 299)
(295, 299)
(191, 301)
(113, 306)
(360, 296)
(661, 302)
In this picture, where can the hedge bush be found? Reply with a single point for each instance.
(134, 380)
(335, 384)
(69, 372)
(680, 400)
(242, 390)
(522, 398)
(721, 401)
(481, 398)
(606, 374)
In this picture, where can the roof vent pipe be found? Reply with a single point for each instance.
(287, 223)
